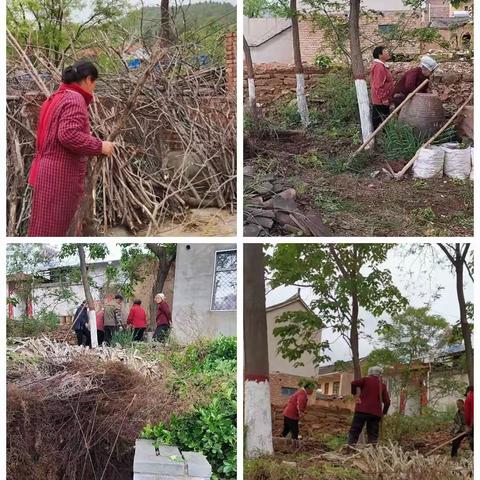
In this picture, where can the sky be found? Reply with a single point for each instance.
(417, 288)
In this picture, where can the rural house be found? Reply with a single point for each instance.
(284, 376)
(270, 38)
(201, 289)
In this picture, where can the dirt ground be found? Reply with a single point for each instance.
(364, 201)
(204, 222)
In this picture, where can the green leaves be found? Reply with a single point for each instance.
(338, 275)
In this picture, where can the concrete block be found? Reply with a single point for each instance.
(146, 461)
(197, 465)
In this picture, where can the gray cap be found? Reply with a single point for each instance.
(429, 63)
(375, 371)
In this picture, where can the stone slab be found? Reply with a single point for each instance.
(146, 460)
(197, 465)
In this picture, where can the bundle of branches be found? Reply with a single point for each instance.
(79, 419)
(144, 183)
(54, 355)
(391, 462)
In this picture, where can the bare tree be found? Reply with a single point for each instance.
(358, 70)
(297, 56)
(457, 256)
(258, 414)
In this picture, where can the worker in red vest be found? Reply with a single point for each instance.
(295, 409)
(372, 404)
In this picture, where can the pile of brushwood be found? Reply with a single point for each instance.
(174, 127)
(74, 413)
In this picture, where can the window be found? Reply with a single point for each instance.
(336, 388)
(287, 391)
(325, 388)
(225, 281)
(387, 29)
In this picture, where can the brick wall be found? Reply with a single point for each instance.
(313, 41)
(231, 62)
(279, 380)
(453, 81)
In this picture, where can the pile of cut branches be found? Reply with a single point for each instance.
(175, 147)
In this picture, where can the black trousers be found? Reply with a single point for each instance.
(358, 422)
(83, 337)
(109, 331)
(138, 334)
(100, 336)
(290, 426)
(379, 114)
(456, 443)
(161, 333)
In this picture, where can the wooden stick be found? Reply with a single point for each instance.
(380, 127)
(401, 173)
(445, 443)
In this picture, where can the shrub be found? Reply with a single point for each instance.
(209, 429)
(33, 326)
(323, 61)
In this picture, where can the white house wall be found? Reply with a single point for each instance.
(278, 48)
(191, 310)
(276, 362)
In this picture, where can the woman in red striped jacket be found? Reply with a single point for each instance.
(64, 143)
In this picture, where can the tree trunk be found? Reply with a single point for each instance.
(359, 71)
(252, 101)
(165, 30)
(258, 413)
(357, 372)
(297, 55)
(165, 261)
(466, 332)
(92, 318)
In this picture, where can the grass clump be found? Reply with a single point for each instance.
(33, 326)
(400, 141)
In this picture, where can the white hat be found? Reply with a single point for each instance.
(375, 371)
(429, 63)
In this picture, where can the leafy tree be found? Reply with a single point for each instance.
(344, 278)
(53, 26)
(255, 8)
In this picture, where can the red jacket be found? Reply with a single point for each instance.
(100, 316)
(137, 317)
(469, 410)
(410, 80)
(296, 405)
(164, 316)
(369, 401)
(61, 163)
(381, 83)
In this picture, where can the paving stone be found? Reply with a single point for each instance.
(146, 460)
(197, 465)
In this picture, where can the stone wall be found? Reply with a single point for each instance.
(453, 81)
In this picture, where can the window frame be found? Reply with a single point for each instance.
(212, 299)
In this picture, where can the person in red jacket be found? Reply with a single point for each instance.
(381, 86)
(100, 327)
(372, 404)
(137, 319)
(295, 409)
(164, 318)
(413, 78)
(469, 415)
(64, 143)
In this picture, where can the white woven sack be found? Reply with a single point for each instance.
(458, 162)
(429, 163)
(472, 156)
